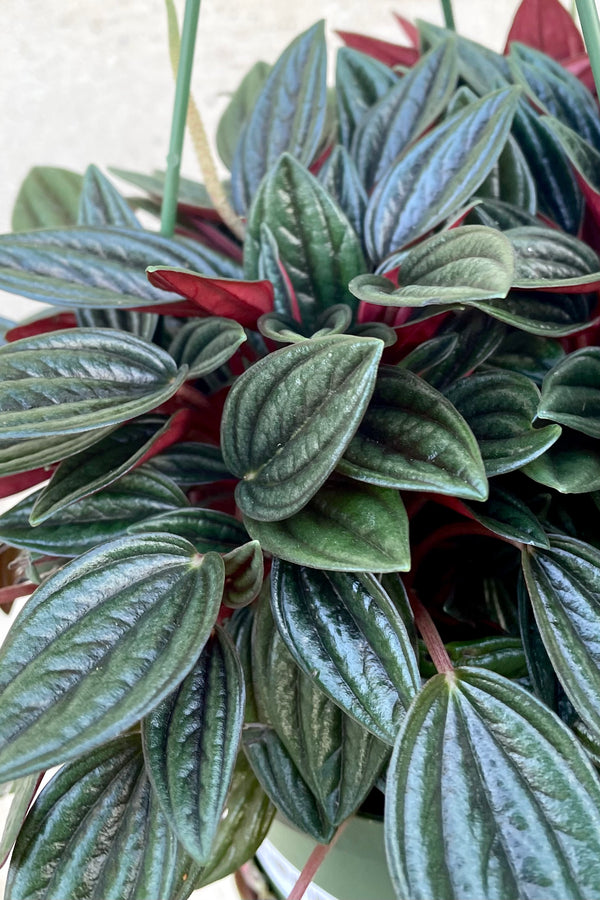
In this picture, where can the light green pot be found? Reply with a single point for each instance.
(354, 869)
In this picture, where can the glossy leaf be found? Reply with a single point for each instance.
(190, 745)
(239, 628)
(504, 513)
(47, 198)
(360, 81)
(269, 267)
(412, 438)
(571, 392)
(499, 214)
(335, 758)
(500, 408)
(345, 633)
(205, 345)
(482, 69)
(438, 174)
(99, 267)
(290, 417)
(584, 159)
(507, 785)
(95, 468)
(341, 180)
(244, 570)
(71, 381)
(23, 791)
(96, 647)
(318, 248)
(543, 313)
(32, 453)
(511, 180)
(404, 113)
(288, 116)
(527, 354)
(571, 466)
(96, 832)
(191, 463)
(141, 324)
(429, 354)
(477, 338)
(503, 655)
(547, 259)
(457, 266)
(346, 526)
(238, 110)
(101, 204)
(206, 529)
(564, 587)
(92, 520)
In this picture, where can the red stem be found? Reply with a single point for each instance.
(431, 636)
(312, 864)
(192, 396)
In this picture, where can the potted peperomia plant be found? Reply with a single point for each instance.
(315, 519)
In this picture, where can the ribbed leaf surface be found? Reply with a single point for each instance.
(206, 529)
(47, 198)
(99, 645)
(489, 795)
(205, 345)
(360, 81)
(571, 392)
(101, 204)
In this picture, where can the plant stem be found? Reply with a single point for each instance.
(180, 108)
(448, 14)
(590, 25)
(312, 864)
(430, 635)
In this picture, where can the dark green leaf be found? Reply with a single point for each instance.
(489, 795)
(500, 408)
(101, 204)
(141, 324)
(340, 179)
(571, 466)
(239, 628)
(412, 438)
(69, 381)
(288, 116)
(479, 67)
(288, 419)
(499, 214)
(438, 174)
(192, 193)
(191, 463)
(206, 344)
(96, 833)
(584, 159)
(33, 453)
(244, 571)
(564, 587)
(190, 745)
(100, 644)
(542, 312)
(346, 526)
(206, 529)
(360, 81)
(267, 263)
(23, 791)
(547, 258)
(506, 514)
(345, 633)
(543, 677)
(318, 247)
(476, 339)
(527, 354)
(99, 267)
(511, 179)
(457, 266)
(559, 196)
(503, 655)
(571, 392)
(429, 354)
(48, 198)
(238, 110)
(100, 465)
(404, 112)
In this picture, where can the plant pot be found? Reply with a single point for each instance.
(354, 869)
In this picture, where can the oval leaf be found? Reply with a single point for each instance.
(205, 345)
(508, 787)
(47, 198)
(101, 644)
(101, 203)
(206, 529)
(571, 392)
(289, 418)
(548, 259)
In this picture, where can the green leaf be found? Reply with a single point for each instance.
(511, 180)
(99, 267)
(489, 795)
(477, 338)
(190, 745)
(584, 158)
(191, 193)
(479, 67)
(404, 112)
(244, 572)
(571, 392)
(100, 644)
(33, 453)
(457, 266)
(95, 468)
(571, 466)
(499, 214)
(360, 81)
(141, 324)
(503, 655)
(500, 408)
(48, 198)
(288, 419)
(239, 628)
(429, 354)
(340, 179)
(190, 463)
(412, 438)
(346, 526)
(542, 312)
(206, 344)
(288, 116)
(23, 791)
(336, 760)
(69, 381)
(317, 246)
(438, 173)
(346, 634)
(239, 109)
(527, 354)
(564, 587)
(91, 521)
(547, 258)
(101, 204)
(96, 831)
(206, 529)
(506, 514)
